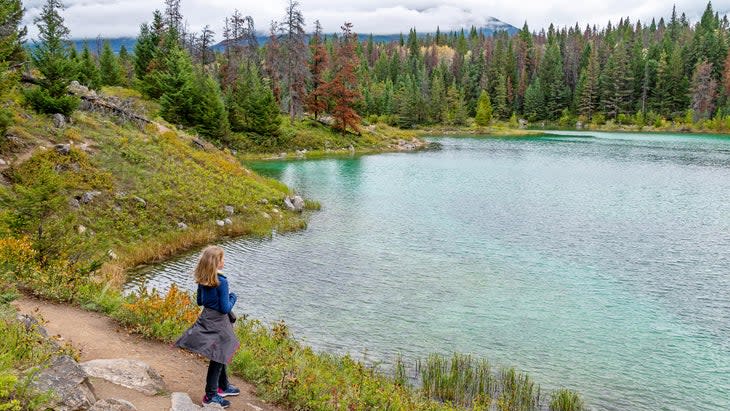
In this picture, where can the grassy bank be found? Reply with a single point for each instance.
(82, 203)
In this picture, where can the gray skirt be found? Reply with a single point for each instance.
(211, 336)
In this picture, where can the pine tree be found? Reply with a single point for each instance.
(148, 40)
(126, 65)
(252, 107)
(294, 57)
(316, 99)
(209, 116)
(501, 107)
(437, 98)
(704, 90)
(456, 111)
(111, 72)
(88, 71)
(484, 110)
(11, 14)
(587, 91)
(51, 58)
(177, 85)
(343, 90)
(616, 83)
(535, 101)
(551, 76)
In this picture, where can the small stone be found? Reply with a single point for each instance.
(113, 404)
(282, 155)
(3, 162)
(81, 229)
(265, 215)
(63, 148)
(133, 374)
(59, 120)
(228, 221)
(74, 203)
(229, 210)
(275, 210)
(112, 255)
(295, 203)
(264, 201)
(182, 226)
(141, 201)
(220, 223)
(117, 209)
(88, 196)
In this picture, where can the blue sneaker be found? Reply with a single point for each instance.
(230, 391)
(216, 399)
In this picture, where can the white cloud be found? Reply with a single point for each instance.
(113, 18)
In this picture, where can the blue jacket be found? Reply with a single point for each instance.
(217, 298)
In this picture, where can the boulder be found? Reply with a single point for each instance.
(113, 404)
(181, 401)
(295, 203)
(229, 210)
(88, 196)
(63, 148)
(133, 374)
(59, 120)
(70, 386)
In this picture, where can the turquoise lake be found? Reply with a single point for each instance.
(594, 261)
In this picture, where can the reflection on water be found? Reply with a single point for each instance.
(599, 262)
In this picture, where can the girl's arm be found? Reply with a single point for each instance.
(199, 297)
(226, 300)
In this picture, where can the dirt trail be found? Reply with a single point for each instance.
(99, 337)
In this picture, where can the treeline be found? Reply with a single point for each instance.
(628, 73)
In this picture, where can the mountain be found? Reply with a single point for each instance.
(491, 26)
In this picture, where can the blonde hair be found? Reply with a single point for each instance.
(206, 273)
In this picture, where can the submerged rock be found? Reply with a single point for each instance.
(133, 374)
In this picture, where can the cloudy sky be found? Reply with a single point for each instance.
(117, 18)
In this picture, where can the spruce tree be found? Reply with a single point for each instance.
(501, 107)
(587, 92)
(177, 85)
(554, 90)
(126, 65)
(456, 111)
(11, 13)
(111, 72)
(209, 115)
(88, 71)
(535, 101)
(315, 101)
(51, 57)
(484, 110)
(343, 90)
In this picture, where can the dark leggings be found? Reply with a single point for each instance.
(216, 378)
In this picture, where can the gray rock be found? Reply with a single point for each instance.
(229, 210)
(3, 162)
(69, 384)
(220, 223)
(31, 324)
(88, 196)
(181, 401)
(133, 374)
(63, 148)
(182, 226)
(228, 221)
(522, 123)
(295, 203)
(59, 120)
(141, 201)
(81, 229)
(264, 201)
(74, 203)
(113, 404)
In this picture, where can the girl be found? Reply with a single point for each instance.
(212, 334)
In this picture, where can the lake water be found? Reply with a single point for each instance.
(594, 261)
